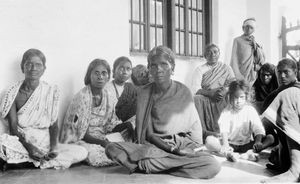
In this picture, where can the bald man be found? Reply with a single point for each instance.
(247, 55)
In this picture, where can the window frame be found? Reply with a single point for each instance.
(169, 30)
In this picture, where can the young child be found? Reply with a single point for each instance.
(241, 129)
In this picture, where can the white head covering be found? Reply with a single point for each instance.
(250, 21)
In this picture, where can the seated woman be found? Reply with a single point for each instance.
(265, 83)
(122, 70)
(91, 115)
(240, 126)
(210, 82)
(167, 126)
(281, 118)
(31, 108)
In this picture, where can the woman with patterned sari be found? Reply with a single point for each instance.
(91, 115)
(31, 108)
(167, 126)
(210, 82)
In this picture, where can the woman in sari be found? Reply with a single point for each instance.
(91, 115)
(167, 126)
(264, 84)
(210, 83)
(31, 108)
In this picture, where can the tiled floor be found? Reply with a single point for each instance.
(239, 172)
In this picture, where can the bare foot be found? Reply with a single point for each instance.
(282, 178)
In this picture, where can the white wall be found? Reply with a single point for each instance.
(228, 16)
(71, 33)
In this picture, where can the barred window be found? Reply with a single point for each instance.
(182, 25)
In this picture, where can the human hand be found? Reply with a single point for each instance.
(258, 147)
(218, 94)
(186, 152)
(50, 155)
(34, 152)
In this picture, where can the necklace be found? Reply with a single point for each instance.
(26, 93)
(97, 99)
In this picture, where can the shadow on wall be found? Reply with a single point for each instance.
(65, 99)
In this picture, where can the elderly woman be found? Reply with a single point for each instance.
(91, 115)
(281, 118)
(31, 108)
(210, 83)
(167, 125)
(265, 83)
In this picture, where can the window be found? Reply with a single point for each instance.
(182, 25)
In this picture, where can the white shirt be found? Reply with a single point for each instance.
(240, 126)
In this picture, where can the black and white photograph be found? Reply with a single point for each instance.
(149, 91)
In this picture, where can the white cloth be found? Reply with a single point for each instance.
(286, 109)
(111, 89)
(34, 119)
(241, 125)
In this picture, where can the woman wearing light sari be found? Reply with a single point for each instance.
(91, 115)
(31, 108)
(210, 82)
(167, 126)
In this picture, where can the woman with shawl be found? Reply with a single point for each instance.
(167, 126)
(210, 83)
(91, 115)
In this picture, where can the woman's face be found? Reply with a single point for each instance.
(160, 69)
(99, 77)
(34, 68)
(265, 77)
(239, 99)
(212, 55)
(123, 71)
(286, 75)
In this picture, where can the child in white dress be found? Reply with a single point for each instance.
(241, 130)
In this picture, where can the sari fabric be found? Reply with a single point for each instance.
(168, 115)
(82, 118)
(34, 119)
(248, 56)
(220, 75)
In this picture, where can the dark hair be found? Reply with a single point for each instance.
(92, 65)
(140, 75)
(118, 61)
(267, 67)
(238, 85)
(209, 46)
(31, 53)
(289, 63)
(162, 51)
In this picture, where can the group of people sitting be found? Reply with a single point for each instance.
(165, 126)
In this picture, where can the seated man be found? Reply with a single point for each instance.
(283, 116)
(31, 108)
(167, 126)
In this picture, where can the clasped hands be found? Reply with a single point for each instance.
(38, 155)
